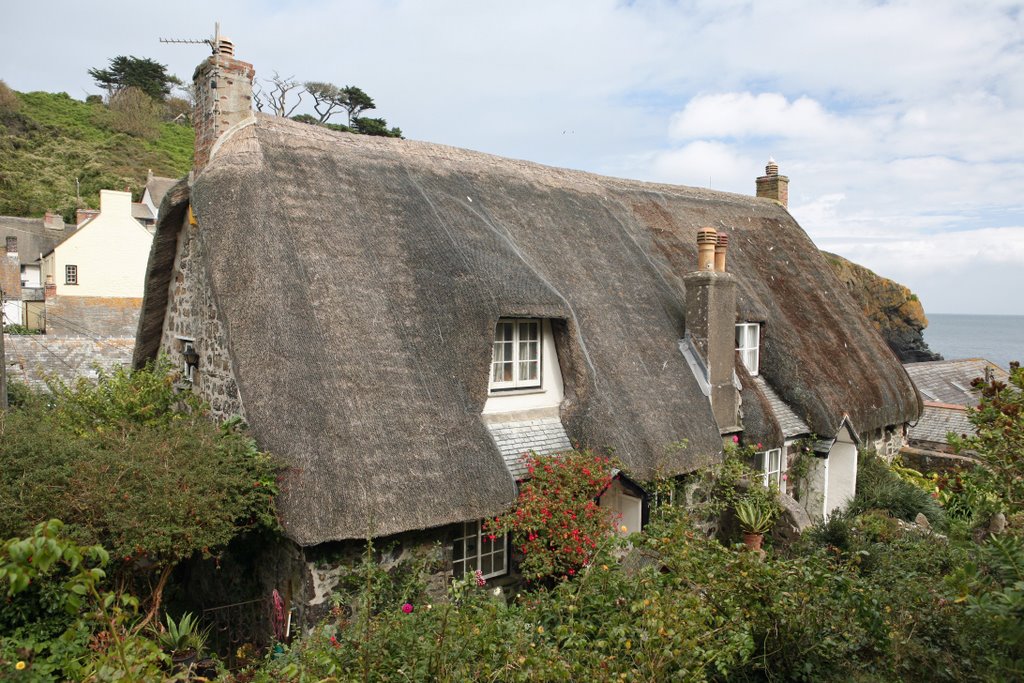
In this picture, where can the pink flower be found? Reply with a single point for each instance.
(407, 608)
(759, 445)
(480, 581)
(735, 438)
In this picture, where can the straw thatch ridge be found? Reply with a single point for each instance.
(159, 272)
(360, 280)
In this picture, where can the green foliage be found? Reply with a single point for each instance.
(375, 126)
(135, 113)
(557, 523)
(999, 439)
(880, 488)
(15, 328)
(96, 642)
(755, 517)
(182, 635)
(135, 72)
(130, 463)
(993, 590)
(53, 140)
(678, 607)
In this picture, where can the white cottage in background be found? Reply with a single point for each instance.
(105, 257)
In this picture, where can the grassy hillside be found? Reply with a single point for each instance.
(49, 140)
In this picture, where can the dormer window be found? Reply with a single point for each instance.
(516, 354)
(748, 342)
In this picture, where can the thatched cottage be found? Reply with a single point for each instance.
(400, 321)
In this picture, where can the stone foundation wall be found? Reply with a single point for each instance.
(192, 314)
(92, 316)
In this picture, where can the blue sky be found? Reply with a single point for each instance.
(898, 123)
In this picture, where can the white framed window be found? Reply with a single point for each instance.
(71, 275)
(516, 354)
(748, 343)
(477, 549)
(773, 464)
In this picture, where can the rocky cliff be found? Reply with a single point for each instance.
(893, 309)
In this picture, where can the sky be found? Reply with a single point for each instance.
(900, 124)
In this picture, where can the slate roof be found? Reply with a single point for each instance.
(34, 238)
(937, 420)
(360, 279)
(789, 422)
(949, 381)
(515, 439)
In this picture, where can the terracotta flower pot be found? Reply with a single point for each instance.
(752, 541)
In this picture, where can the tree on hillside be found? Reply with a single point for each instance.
(329, 100)
(135, 113)
(276, 94)
(140, 72)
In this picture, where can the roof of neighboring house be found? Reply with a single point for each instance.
(360, 307)
(34, 238)
(158, 187)
(141, 212)
(949, 381)
(937, 420)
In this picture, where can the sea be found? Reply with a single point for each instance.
(997, 338)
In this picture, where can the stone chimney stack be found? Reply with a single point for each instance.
(223, 87)
(772, 185)
(711, 326)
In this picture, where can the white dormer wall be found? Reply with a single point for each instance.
(110, 253)
(548, 395)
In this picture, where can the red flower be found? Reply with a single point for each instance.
(407, 608)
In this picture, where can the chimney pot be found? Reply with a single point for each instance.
(12, 245)
(721, 247)
(707, 238)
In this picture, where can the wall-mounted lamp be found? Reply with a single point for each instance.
(191, 357)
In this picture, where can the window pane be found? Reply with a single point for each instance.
(485, 565)
(457, 549)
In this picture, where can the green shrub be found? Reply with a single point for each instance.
(879, 488)
(130, 463)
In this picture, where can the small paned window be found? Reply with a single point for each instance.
(772, 466)
(748, 341)
(71, 275)
(476, 549)
(516, 354)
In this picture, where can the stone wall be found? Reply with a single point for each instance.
(92, 316)
(192, 314)
(31, 358)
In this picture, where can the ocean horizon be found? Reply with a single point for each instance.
(996, 338)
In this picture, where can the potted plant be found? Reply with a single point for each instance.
(756, 517)
(183, 640)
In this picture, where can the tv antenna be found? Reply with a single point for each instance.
(218, 43)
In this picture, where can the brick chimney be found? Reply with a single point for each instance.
(711, 324)
(53, 221)
(772, 185)
(223, 87)
(82, 215)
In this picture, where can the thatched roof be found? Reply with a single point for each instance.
(360, 280)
